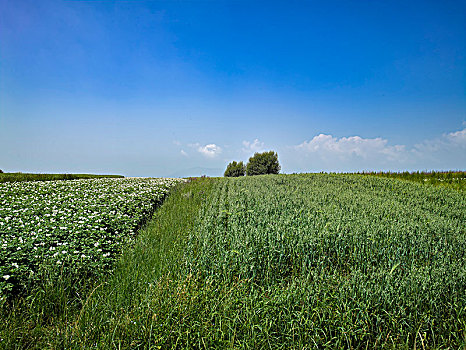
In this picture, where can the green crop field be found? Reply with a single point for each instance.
(312, 261)
(450, 179)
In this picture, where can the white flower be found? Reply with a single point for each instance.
(6, 277)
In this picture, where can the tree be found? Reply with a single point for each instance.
(1, 171)
(235, 169)
(263, 163)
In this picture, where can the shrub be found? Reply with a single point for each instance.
(1, 171)
(235, 169)
(263, 163)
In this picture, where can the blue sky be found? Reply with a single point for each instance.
(177, 88)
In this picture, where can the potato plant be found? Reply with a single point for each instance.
(76, 226)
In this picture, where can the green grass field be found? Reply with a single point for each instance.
(281, 262)
(18, 177)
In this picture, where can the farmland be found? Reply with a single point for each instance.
(282, 261)
(16, 177)
(79, 224)
(450, 179)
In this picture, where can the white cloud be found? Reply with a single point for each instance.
(326, 146)
(252, 147)
(457, 138)
(354, 153)
(183, 153)
(210, 150)
(446, 143)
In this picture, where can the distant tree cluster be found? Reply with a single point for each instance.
(263, 163)
(259, 164)
(1, 171)
(235, 169)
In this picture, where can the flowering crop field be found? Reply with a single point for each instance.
(77, 223)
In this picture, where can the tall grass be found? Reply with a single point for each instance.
(17, 177)
(333, 261)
